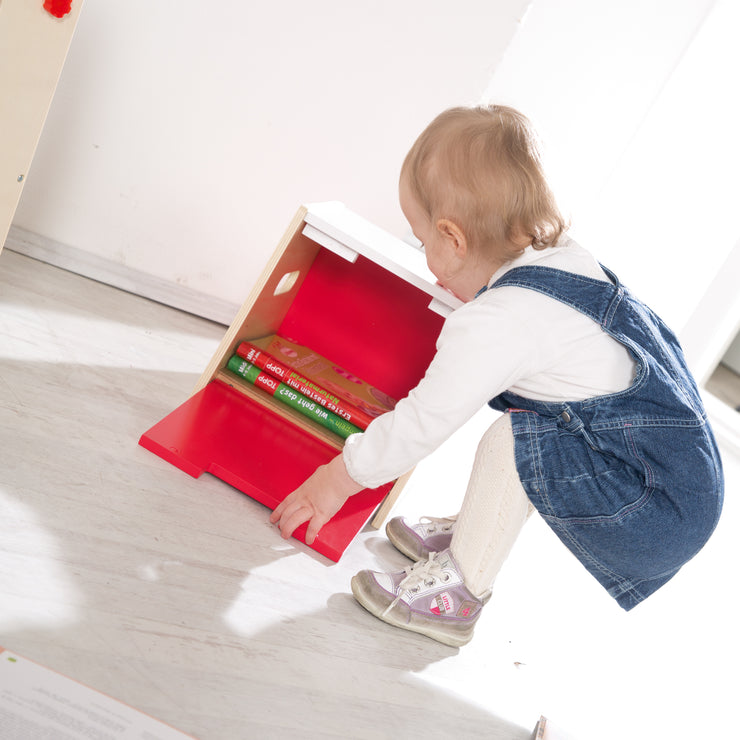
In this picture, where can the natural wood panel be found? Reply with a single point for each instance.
(262, 311)
(33, 47)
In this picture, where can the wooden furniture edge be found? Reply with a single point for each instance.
(389, 501)
(33, 49)
(231, 337)
(215, 369)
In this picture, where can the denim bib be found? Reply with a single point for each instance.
(631, 482)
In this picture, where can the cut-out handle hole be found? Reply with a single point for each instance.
(286, 283)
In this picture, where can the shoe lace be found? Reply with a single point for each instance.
(433, 523)
(425, 572)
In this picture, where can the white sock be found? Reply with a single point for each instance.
(493, 512)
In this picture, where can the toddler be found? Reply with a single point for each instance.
(603, 430)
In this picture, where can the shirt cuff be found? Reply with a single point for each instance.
(349, 463)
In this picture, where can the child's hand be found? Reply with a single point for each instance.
(316, 500)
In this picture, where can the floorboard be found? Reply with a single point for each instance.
(178, 597)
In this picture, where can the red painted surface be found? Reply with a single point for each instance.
(366, 319)
(222, 432)
(58, 8)
(361, 316)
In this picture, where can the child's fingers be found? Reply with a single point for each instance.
(276, 514)
(314, 526)
(293, 518)
(282, 507)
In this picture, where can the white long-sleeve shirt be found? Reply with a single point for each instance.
(509, 338)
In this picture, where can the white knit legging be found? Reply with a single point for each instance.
(493, 512)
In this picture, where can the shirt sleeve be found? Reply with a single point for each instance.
(481, 351)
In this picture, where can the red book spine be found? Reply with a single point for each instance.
(288, 375)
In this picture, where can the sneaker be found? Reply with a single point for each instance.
(428, 597)
(416, 541)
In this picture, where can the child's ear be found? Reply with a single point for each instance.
(454, 235)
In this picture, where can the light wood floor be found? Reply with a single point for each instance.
(178, 597)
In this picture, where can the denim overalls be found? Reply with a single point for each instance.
(631, 482)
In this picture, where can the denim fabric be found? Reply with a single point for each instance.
(630, 482)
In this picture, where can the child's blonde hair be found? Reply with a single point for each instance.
(481, 168)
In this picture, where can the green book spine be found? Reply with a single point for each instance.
(290, 397)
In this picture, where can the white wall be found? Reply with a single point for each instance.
(639, 102)
(184, 134)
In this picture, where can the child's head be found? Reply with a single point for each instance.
(480, 168)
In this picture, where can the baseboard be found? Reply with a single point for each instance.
(120, 276)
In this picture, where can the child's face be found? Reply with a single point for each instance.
(439, 254)
(457, 267)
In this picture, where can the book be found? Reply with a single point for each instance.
(318, 378)
(292, 398)
(303, 385)
(37, 702)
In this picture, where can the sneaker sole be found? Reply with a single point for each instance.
(416, 623)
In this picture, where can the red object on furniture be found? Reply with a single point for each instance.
(366, 314)
(221, 431)
(58, 8)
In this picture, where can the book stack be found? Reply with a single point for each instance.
(309, 383)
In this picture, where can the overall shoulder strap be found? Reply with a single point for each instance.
(598, 299)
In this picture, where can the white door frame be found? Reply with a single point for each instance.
(707, 336)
